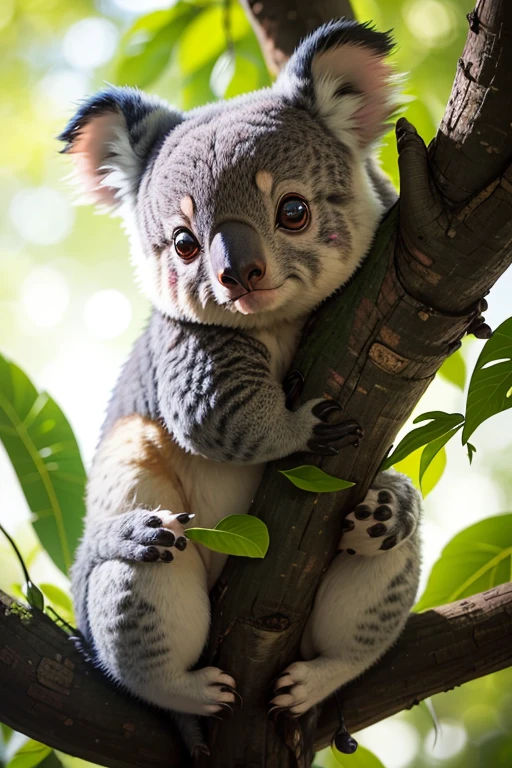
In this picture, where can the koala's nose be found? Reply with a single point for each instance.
(237, 257)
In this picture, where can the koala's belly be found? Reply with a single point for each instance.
(214, 490)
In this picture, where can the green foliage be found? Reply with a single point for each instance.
(241, 535)
(476, 559)
(29, 755)
(211, 44)
(44, 453)
(490, 387)
(454, 370)
(314, 479)
(440, 424)
(431, 475)
(361, 758)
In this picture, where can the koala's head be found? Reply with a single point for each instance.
(254, 210)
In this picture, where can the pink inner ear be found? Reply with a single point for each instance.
(90, 152)
(372, 77)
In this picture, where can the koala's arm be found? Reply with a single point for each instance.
(218, 398)
(130, 489)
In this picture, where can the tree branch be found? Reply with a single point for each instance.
(50, 693)
(375, 348)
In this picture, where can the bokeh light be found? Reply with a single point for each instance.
(107, 313)
(90, 43)
(44, 297)
(450, 739)
(394, 741)
(42, 215)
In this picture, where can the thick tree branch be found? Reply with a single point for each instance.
(50, 693)
(376, 349)
(280, 25)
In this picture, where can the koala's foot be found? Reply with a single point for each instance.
(206, 691)
(384, 520)
(325, 432)
(304, 684)
(149, 536)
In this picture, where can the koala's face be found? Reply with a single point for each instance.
(251, 211)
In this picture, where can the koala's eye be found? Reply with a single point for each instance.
(185, 244)
(292, 213)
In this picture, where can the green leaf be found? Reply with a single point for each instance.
(59, 600)
(147, 47)
(471, 451)
(35, 597)
(454, 369)
(242, 535)
(246, 78)
(440, 423)
(310, 478)
(432, 449)
(205, 37)
(491, 380)
(476, 559)
(361, 758)
(45, 456)
(29, 755)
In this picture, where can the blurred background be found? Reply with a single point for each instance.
(69, 309)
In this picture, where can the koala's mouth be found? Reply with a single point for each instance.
(258, 300)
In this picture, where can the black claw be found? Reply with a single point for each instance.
(338, 431)
(181, 543)
(227, 707)
(150, 555)
(230, 689)
(184, 518)
(347, 525)
(325, 408)
(153, 522)
(200, 749)
(481, 330)
(293, 385)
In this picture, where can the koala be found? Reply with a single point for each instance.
(243, 216)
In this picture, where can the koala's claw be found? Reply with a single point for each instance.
(344, 433)
(230, 689)
(292, 385)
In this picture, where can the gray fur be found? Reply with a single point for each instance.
(199, 406)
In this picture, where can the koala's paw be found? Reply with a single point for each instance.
(380, 523)
(150, 536)
(325, 432)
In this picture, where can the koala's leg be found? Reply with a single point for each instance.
(364, 600)
(141, 592)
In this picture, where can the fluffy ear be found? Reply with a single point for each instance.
(111, 138)
(340, 73)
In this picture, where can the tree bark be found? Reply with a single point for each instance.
(50, 693)
(280, 25)
(376, 348)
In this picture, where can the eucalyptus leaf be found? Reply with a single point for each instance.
(439, 424)
(310, 478)
(454, 369)
(44, 453)
(242, 535)
(210, 33)
(476, 559)
(147, 47)
(29, 755)
(491, 380)
(432, 449)
(361, 758)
